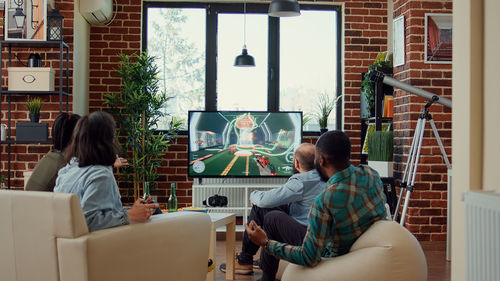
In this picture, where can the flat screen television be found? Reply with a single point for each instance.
(243, 143)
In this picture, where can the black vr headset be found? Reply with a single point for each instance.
(216, 201)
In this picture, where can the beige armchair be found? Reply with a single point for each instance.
(44, 237)
(385, 252)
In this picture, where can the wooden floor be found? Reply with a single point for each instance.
(435, 252)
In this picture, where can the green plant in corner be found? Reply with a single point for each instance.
(381, 146)
(137, 108)
(325, 107)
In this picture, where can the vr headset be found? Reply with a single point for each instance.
(215, 201)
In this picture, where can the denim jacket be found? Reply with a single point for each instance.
(299, 192)
(97, 190)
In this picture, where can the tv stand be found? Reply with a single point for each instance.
(237, 191)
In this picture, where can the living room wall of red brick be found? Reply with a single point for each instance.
(365, 32)
(427, 212)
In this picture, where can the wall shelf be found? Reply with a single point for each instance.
(62, 82)
(34, 93)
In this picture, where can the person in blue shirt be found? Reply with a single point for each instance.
(284, 208)
(89, 175)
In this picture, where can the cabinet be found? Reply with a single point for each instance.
(62, 85)
(237, 191)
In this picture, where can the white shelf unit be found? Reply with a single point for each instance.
(237, 191)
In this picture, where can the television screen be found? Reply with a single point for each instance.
(243, 144)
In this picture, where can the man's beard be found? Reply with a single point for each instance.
(320, 171)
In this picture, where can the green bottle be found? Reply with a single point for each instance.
(146, 190)
(172, 200)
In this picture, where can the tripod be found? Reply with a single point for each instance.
(410, 173)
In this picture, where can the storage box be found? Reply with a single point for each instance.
(31, 79)
(32, 132)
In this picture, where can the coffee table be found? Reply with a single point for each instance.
(218, 220)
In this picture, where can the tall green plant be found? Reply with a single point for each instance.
(381, 146)
(137, 108)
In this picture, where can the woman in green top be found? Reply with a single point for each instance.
(44, 175)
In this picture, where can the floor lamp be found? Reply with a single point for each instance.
(408, 180)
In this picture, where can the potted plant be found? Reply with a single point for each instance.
(367, 84)
(306, 118)
(380, 153)
(34, 106)
(325, 107)
(137, 108)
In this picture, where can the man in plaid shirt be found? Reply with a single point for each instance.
(352, 201)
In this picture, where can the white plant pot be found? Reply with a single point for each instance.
(384, 169)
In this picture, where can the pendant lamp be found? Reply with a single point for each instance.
(244, 60)
(284, 8)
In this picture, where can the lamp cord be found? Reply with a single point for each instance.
(244, 25)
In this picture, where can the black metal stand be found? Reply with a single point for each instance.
(63, 86)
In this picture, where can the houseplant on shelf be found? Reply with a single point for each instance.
(34, 105)
(325, 106)
(367, 90)
(137, 108)
(380, 153)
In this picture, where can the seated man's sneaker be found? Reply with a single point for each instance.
(243, 269)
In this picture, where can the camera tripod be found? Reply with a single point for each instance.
(408, 181)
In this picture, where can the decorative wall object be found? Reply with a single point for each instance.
(25, 19)
(438, 38)
(398, 30)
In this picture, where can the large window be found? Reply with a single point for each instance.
(241, 88)
(308, 63)
(176, 37)
(297, 59)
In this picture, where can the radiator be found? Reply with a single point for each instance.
(237, 191)
(482, 238)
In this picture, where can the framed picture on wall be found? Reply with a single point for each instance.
(25, 20)
(438, 38)
(398, 43)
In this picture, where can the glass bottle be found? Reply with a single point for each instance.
(146, 190)
(172, 200)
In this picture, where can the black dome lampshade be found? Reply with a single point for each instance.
(244, 60)
(284, 8)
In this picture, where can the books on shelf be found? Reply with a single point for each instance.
(388, 106)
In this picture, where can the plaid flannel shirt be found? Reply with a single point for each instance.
(352, 201)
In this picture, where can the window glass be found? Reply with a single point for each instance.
(242, 88)
(176, 37)
(308, 63)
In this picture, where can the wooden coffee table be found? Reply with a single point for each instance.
(218, 220)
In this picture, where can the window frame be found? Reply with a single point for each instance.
(273, 75)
